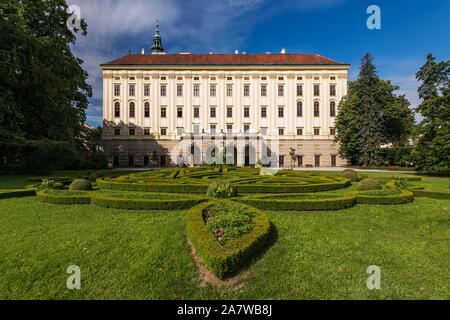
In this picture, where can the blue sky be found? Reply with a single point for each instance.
(333, 28)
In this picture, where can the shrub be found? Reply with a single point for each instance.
(434, 194)
(223, 260)
(385, 197)
(92, 177)
(80, 184)
(63, 197)
(222, 189)
(369, 184)
(5, 194)
(350, 174)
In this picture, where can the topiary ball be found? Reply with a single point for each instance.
(350, 174)
(80, 184)
(369, 184)
(92, 177)
(222, 189)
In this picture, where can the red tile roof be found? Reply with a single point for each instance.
(223, 60)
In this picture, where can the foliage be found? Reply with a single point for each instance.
(11, 193)
(369, 184)
(434, 194)
(228, 222)
(224, 260)
(222, 189)
(402, 183)
(370, 116)
(63, 197)
(392, 197)
(432, 153)
(350, 174)
(80, 184)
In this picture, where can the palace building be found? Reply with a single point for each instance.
(164, 109)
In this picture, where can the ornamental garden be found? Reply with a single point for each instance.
(226, 221)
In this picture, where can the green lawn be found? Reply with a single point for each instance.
(144, 255)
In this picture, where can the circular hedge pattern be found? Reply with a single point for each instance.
(63, 197)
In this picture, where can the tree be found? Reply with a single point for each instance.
(43, 88)
(371, 116)
(432, 153)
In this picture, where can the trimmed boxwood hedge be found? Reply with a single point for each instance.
(5, 194)
(435, 194)
(117, 202)
(63, 197)
(223, 260)
(318, 203)
(385, 197)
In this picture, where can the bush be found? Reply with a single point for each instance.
(327, 202)
(222, 189)
(63, 197)
(434, 194)
(5, 194)
(223, 260)
(369, 184)
(92, 177)
(80, 184)
(350, 174)
(385, 197)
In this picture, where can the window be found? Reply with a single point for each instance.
(263, 112)
(117, 131)
(300, 161)
(280, 90)
(180, 131)
(196, 90)
(229, 112)
(299, 78)
(332, 131)
(281, 160)
(132, 131)
(146, 132)
(299, 131)
(246, 112)
(196, 78)
(196, 112)
(132, 90)
(146, 90)
(281, 131)
(179, 112)
(332, 89)
(316, 131)
(146, 78)
(196, 128)
(146, 161)
(299, 90)
(164, 131)
(163, 90)
(263, 78)
(213, 78)
(179, 90)
(147, 110)
(246, 78)
(280, 112)
(316, 108)
(117, 90)
(229, 78)
(299, 109)
(317, 160)
(246, 90)
(246, 128)
(229, 129)
(280, 78)
(212, 90)
(163, 78)
(180, 78)
(317, 90)
(332, 109)
(229, 90)
(263, 90)
(163, 112)
(333, 78)
(132, 110)
(333, 160)
(212, 129)
(212, 112)
(131, 161)
(264, 131)
(132, 78)
(117, 110)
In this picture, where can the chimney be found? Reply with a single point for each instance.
(283, 50)
(142, 51)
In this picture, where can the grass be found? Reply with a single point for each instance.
(138, 255)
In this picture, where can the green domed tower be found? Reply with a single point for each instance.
(157, 47)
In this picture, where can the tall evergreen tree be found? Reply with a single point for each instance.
(432, 153)
(370, 116)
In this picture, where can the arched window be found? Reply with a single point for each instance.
(132, 110)
(332, 109)
(147, 110)
(117, 110)
(316, 108)
(299, 109)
